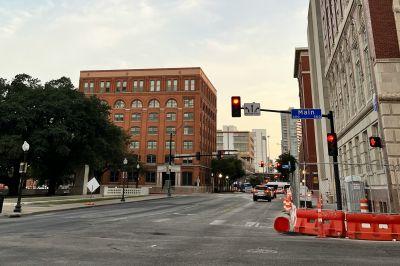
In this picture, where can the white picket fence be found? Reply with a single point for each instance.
(117, 191)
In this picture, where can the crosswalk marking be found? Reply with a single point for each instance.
(217, 222)
(161, 220)
(249, 224)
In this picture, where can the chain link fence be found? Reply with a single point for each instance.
(379, 183)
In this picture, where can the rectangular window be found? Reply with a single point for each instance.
(172, 85)
(124, 85)
(118, 86)
(170, 130)
(155, 85)
(367, 156)
(170, 117)
(187, 161)
(86, 87)
(188, 116)
(134, 145)
(102, 86)
(152, 145)
(135, 131)
(187, 178)
(358, 154)
(172, 145)
(91, 87)
(136, 116)
(105, 86)
(150, 177)
(189, 84)
(188, 130)
(118, 117)
(137, 85)
(189, 103)
(153, 117)
(152, 130)
(188, 145)
(151, 158)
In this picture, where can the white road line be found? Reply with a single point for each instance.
(218, 222)
(250, 224)
(257, 225)
(161, 220)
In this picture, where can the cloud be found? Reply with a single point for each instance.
(245, 47)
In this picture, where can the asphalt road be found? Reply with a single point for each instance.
(211, 229)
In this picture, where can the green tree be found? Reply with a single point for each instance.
(64, 128)
(284, 160)
(231, 167)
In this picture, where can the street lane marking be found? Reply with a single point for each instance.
(249, 224)
(218, 222)
(161, 220)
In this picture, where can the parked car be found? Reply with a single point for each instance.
(280, 187)
(263, 192)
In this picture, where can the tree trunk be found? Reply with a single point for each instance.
(52, 187)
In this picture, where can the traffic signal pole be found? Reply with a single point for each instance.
(236, 100)
(335, 165)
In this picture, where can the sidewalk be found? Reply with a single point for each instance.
(35, 205)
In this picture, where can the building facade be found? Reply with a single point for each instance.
(150, 104)
(261, 152)
(355, 72)
(229, 138)
(307, 151)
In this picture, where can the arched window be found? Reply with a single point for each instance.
(120, 104)
(137, 104)
(154, 104)
(171, 103)
(104, 102)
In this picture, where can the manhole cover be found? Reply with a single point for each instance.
(262, 251)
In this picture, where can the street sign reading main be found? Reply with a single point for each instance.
(306, 113)
(251, 109)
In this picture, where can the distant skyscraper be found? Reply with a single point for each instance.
(290, 135)
(260, 150)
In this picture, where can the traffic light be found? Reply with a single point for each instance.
(375, 142)
(219, 155)
(277, 165)
(198, 156)
(262, 163)
(332, 144)
(236, 106)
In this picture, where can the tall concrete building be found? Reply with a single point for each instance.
(149, 104)
(261, 152)
(355, 72)
(230, 138)
(290, 135)
(307, 151)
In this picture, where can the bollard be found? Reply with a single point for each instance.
(1, 203)
(364, 205)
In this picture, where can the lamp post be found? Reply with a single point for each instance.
(220, 182)
(227, 183)
(169, 165)
(22, 170)
(137, 177)
(212, 180)
(125, 162)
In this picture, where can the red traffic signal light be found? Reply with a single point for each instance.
(375, 142)
(262, 163)
(332, 144)
(236, 106)
(277, 165)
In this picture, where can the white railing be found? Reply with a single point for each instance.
(117, 191)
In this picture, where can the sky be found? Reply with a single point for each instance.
(245, 47)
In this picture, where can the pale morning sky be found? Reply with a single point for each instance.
(245, 47)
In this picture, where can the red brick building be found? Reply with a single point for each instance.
(149, 104)
(307, 150)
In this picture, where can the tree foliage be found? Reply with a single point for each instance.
(231, 167)
(64, 128)
(286, 159)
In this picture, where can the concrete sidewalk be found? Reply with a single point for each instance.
(35, 205)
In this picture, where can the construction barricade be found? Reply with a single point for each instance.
(332, 224)
(368, 226)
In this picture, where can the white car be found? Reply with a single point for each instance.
(305, 196)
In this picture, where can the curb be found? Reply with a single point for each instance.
(12, 215)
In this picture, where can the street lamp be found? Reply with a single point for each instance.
(137, 177)
(227, 183)
(220, 182)
(125, 162)
(22, 170)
